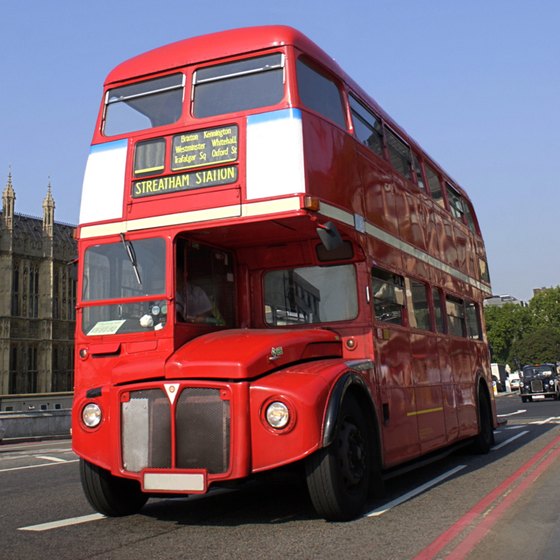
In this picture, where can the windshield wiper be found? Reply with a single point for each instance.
(131, 257)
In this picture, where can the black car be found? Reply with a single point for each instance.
(539, 382)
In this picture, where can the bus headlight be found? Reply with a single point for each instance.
(91, 415)
(277, 415)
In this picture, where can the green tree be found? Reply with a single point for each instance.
(504, 325)
(544, 308)
(539, 345)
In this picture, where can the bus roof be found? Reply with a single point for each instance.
(214, 46)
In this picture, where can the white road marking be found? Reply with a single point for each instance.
(512, 413)
(37, 466)
(551, 420)
(405, 497)
(63, 523)
(500, 445)
(49, 458)
(520, 427)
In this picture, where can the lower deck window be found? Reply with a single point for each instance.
(314, 294)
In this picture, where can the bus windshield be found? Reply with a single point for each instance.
(121, 271)
(144, 105)
(314, 294)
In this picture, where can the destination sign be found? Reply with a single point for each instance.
(204, 147)
(185, 181)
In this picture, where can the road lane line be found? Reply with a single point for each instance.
(49, 458)
(63, 523)
(512, 413)
(37, 466)
(405, 497)
(504, 443)
(461, 538)
(554, 419)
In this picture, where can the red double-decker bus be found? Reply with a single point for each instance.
(271, 272)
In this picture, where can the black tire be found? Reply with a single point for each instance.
(485, 438)
(108, 494)
(523, 399)
(339, 476)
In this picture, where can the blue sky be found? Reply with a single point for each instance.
(476, 83)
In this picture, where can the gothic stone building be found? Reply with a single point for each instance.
(37, 300)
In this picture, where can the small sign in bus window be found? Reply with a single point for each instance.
(204, 147)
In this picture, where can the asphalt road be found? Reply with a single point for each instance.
(501, 505)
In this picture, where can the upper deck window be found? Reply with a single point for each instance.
(143, 105)
(238, 86)
(320, 93)
(434, 184)
(399, 154)
(367, 126)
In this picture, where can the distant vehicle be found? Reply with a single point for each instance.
(514, 381)
(540, 382)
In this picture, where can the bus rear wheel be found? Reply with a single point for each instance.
(339, 476)
(108, 494)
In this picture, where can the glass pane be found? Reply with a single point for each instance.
(144, 105)
(388, 296)
(399, 154)
(205, 291)
(320, 93)
(149, 157)
(438, 314)
(419, 309)
(367, 127)
(456, 317)
(109, 272)
(310, 295)
(473, 321)
(122, 318)
(239, 86)
(435, 185)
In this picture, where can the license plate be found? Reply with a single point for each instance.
(538, 397)
(174, 482)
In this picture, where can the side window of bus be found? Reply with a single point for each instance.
(399, 154)
(456, 316)
(473, 321)
(469, 216)
(434, 184)
(367, 126)
(484, 272)
(238, 86)
(417, 169)
(388, 296)
(437, 299)
(455, 202)
(418, 305)
(320, 93)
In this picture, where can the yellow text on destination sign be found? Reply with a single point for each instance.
(204, 147)
(185, 181)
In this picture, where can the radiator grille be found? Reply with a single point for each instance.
(537, 386)
(146, 431)
(202, 430)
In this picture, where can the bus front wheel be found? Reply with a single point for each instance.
(485, 438)
(339, 476)
(108, 494)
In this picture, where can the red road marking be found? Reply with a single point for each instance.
(461, 538)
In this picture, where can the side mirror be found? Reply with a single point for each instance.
(329, 236)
